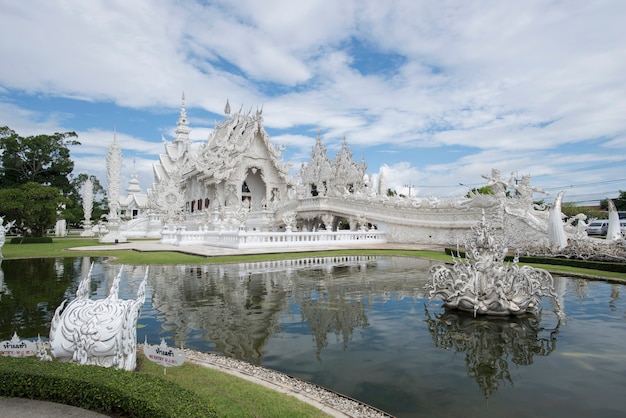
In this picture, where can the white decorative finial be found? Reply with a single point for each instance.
(227, 107)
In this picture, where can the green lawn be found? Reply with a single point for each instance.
(59, 246)
(231, 396)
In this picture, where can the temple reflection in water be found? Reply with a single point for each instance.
(239, 306)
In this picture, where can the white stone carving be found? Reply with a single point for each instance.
(481, 283)
(114, 170)
(87, 193)
(98, 332)
(3, 230)
(556, 228)
(614, 232)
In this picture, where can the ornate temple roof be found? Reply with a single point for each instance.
(231, 141)
(215, 161)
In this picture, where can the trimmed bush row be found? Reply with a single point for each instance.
(31, 240)
(571, 262)
(105, 390)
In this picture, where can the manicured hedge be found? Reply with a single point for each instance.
(31, 240)
(105, 390)
(582, 264)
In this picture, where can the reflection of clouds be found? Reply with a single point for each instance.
(490, 343)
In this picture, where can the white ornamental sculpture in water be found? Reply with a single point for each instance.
(483, 284)
(98, 332)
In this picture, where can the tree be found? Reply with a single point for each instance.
(42, 159)
(33, 207)
(569, 209)
(620, 202)
(34, 178)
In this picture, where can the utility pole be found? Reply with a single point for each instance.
(410, 186)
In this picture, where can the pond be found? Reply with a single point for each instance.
(363, 327)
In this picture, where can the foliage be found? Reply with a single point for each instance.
(620, 202)
(480, 190)
(112, 391)
(34, 178)
(42, 159)
(587, 265)
(33, 206)
(569, 209)
(74, 214)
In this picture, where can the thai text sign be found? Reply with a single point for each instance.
(164, 355)
(16, 347)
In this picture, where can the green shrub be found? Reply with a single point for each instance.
(105, 390)
(571, 262)
(31, 240)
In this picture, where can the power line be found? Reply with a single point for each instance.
(598, 183)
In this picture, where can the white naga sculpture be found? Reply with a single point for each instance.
(98, 332)
(483, 284)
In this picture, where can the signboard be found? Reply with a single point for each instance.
(164, 355)
(16, 347)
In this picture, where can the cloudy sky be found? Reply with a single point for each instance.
(436, 92)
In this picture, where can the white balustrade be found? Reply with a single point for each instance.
(244, 239)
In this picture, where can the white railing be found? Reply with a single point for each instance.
(243, 239)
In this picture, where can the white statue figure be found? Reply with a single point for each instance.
(525, 190)
(556, 229)
(497, 184)
(98, 332)
(581, 226)
(3, 231)
(289, 218)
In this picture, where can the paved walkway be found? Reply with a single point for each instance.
(29, 408)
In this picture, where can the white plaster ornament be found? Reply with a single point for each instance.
(98, 332)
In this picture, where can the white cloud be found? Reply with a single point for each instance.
(519, 85)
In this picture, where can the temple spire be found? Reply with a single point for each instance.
(227, 108)
(182, 128)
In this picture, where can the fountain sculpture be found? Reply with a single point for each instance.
(98, 332)
(481, 283)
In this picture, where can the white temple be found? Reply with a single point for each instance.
(235, 191)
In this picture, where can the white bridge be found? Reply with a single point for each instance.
(316, 222)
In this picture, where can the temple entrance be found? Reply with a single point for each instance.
(253, 189)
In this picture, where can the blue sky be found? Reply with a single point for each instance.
(437, 93)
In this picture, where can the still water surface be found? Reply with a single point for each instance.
(362, 327)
